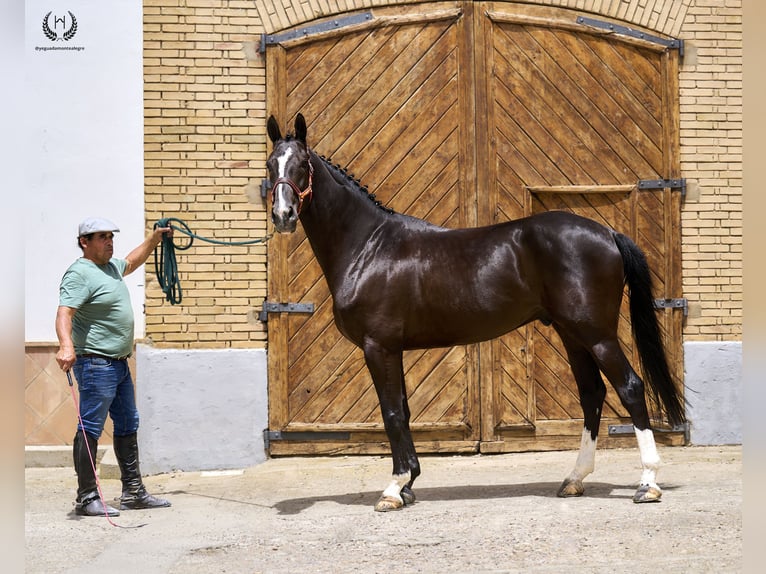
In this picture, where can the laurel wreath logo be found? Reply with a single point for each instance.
(52, 35)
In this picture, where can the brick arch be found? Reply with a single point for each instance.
(664, 16)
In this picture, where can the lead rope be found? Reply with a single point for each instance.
(93, 462)
(165, 266)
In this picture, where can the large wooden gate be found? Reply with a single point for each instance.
(469, 114)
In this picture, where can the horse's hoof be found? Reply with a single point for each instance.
(387, 503)
(646, 493)
(571, 488)
(408, 496)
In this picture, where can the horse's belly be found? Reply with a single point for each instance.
(463, 329)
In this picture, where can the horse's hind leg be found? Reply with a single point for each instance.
(592, 392)
(630, 389)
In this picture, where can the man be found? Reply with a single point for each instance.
(94, 326)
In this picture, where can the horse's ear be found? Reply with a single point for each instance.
(272, 127)
(300, 128)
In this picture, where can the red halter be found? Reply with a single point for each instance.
(301, 194)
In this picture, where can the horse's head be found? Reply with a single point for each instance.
(290, 172)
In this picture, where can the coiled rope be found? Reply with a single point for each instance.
(165, 265)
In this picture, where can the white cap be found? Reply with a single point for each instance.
(96, 224)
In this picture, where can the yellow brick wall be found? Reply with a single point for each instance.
(205, 149)
(204, 99)
(711, 158)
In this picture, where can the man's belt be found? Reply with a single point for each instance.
(97, 356)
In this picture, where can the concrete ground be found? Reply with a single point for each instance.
(480, 513)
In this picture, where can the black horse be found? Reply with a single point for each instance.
(400, 283)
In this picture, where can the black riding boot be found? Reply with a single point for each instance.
(134, 494)
(88, 502)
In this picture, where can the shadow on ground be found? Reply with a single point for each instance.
(293, 506)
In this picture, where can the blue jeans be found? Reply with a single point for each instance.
(105, 386)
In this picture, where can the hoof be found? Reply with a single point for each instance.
(408, 496)
(388, 503)
(571, 488)
(646, 493)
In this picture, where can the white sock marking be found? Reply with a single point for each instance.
(397, 483)
(586, 459)
(650, 459)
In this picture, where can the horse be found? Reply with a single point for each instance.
(401, 283)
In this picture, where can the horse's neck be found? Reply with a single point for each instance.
(339, 221)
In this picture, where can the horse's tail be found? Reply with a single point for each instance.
(646, 330)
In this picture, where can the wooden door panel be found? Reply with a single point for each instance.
(576, 120)
(386, 105)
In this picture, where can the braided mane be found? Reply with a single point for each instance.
(342, 175)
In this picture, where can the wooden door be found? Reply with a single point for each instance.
(575, 121)
(392, 103)
(467, 114)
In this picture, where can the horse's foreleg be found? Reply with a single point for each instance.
(392, 497)
(387, 373)
(412, 458)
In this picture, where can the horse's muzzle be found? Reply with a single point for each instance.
(285, 222)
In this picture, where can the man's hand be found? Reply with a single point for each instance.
(66, 358)
(158, 232)
(140, 254)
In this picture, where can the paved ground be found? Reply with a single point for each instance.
(492, 513)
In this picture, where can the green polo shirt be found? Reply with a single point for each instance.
(103, 322)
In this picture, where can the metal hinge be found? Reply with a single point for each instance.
(270, 436)
(672, 43)
(679, 303)
(327, 26)
(272, 307)
(679, 183)
(625, 430)
(621, 430)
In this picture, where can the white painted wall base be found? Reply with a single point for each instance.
(208, 409)
(201, 410)
(713, 378)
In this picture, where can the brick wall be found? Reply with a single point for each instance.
(204, 155)
(205, 149)
(711, 157)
